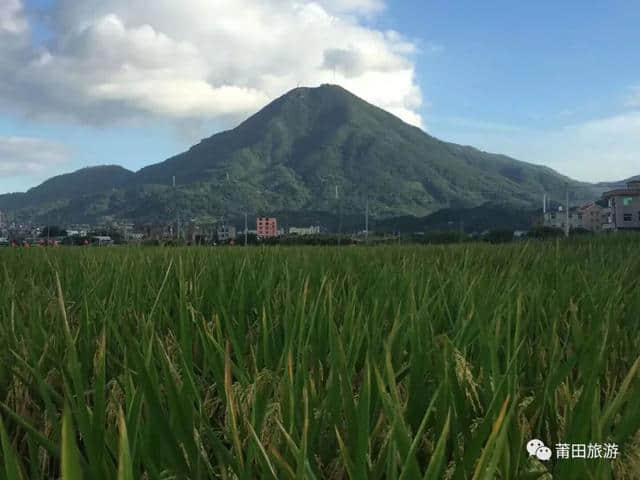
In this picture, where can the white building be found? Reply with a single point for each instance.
(226, 233)
(558, 218)
(313, 230)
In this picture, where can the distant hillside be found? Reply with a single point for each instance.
(84, 182)
(614, 185)
(313, 149)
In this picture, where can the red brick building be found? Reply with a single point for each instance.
(266, 227)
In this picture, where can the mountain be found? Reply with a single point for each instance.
(615, 185)
(59, 191)
(80, 183)
(313, 149)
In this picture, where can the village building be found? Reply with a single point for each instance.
(624, 204)
(312, 230)
(266, 227)
(226, 233)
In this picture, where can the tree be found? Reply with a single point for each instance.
(545, 232)
(499, 236)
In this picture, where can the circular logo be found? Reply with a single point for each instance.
(538, 449)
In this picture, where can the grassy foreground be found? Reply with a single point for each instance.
(360, 363)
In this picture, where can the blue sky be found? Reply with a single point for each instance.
(114, 81)
(538, 65)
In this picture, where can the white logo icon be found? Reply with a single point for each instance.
(543, 453)
(538, 449)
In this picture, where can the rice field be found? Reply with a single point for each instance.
(401, 362)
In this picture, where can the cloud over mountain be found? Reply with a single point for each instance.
(198, 59)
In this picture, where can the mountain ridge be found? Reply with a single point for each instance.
(312, 149)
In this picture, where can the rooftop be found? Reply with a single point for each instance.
(633, 189)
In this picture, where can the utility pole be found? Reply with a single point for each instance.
(175, 206)
(339, 216)
(566, 228)
(246, 228)
(366, 223)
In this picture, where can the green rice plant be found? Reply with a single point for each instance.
(385, 362)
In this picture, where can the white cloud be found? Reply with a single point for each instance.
(603, 149)
(610, 144)
(31, 157)
(357, 6)
(12, 19)
(204, 59)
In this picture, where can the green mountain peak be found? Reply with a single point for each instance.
(312, 149)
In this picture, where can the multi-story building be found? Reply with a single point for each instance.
(156, 231)
(594, 217)
(558, 219)
(625, 207)
(266, 227)
(226, 233)
(605, 219)
(4, 234)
